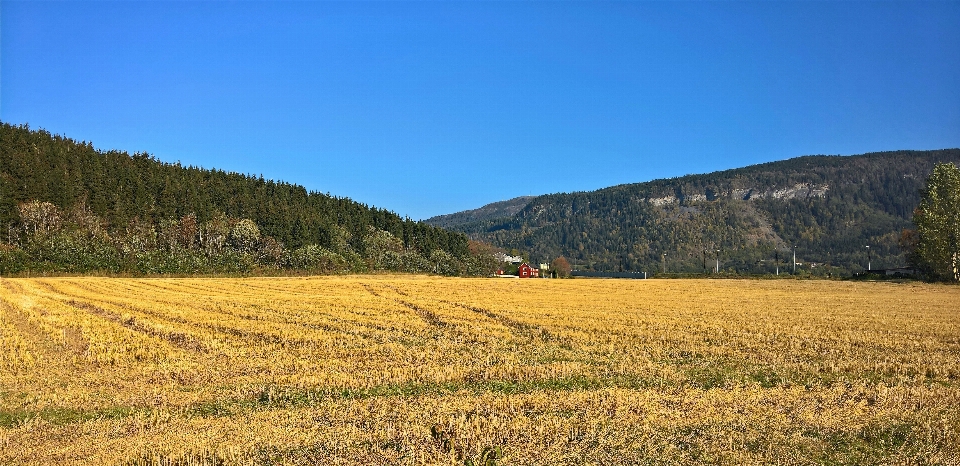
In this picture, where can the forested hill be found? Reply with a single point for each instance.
(829, 207)
(123, 190)
(490, 211)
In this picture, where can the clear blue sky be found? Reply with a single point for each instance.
(433, 107)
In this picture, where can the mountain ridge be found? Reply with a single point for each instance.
(829, 206)
(492, 210)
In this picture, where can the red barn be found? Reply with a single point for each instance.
(525, 271)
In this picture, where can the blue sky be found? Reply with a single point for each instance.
(428, 108)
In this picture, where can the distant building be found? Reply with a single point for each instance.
(503, 257)
(902, 271)
(894, 272)
(525, 271)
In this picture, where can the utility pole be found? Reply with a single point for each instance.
(776, 260)
(794, 260)
(868, 258)
(663, 262)
(718, 261)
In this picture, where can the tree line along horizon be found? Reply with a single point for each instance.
(69, 208)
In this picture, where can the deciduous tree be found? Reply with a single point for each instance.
(39, 218)
(560, 266)
(938, 223)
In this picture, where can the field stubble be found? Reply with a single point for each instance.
(425, 370)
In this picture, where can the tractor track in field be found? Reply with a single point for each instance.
(178, 339)
(530, 330)
(427, 315)
(261, 337)
(19, 320)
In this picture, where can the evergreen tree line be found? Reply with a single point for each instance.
(748, 220)
(68, 207)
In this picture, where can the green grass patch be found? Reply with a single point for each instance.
(61, 416)
(283, 397)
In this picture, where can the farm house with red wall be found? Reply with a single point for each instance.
(525, 271)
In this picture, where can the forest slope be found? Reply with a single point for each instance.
(122, 208)
(829, 207)
(493, 210)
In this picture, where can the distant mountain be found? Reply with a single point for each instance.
(829, 207)
(488, 212)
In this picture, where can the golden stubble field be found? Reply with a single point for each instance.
(427, 370)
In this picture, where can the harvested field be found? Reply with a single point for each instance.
(427, 370)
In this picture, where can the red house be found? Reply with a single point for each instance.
(525, 271)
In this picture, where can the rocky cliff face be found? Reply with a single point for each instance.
(797, 191)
